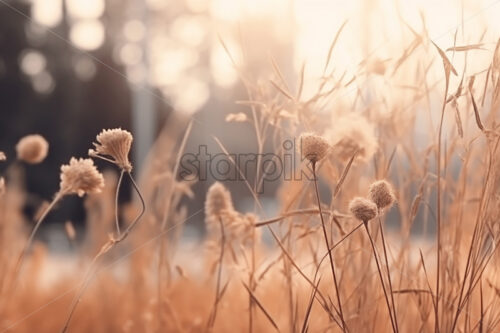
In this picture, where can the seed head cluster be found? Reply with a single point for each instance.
(382, 194)
(363, 209)
(313, 147)
(239, 228)
(80, 176)
(218, 201)
(114, 143)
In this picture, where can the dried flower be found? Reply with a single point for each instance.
(363, 209)
(313, 147)
(2, 156)
(32, 149)
(114, 143)
(382, 194)
(353, 133)
(218, 202)
(80, 176)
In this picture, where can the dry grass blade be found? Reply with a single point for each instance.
(261, 307)
(307, 211)
(476, 111)
(306, 278)
(301, 81)
(309, 308)
(485, 85)
(427, 279)
(344, 174)
(240, 172)
(174, 173)
(332, 46)
(280, 75)
(391, 159)
(409, 291)
(466, 48)
(458, 120)
(406, 54)
(446, 62)
(281, 90)
(227, 50)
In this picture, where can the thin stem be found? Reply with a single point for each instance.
(213, 315)
(388, 274)
(330, 256)
(143, 210)
(27, 246)
(298, 212)
(106, 248)
(88, 277)
(251, 286)
(438, 277)
(365, 223)
(116, 202)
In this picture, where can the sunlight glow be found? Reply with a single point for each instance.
(134, 30)
(32, 62)
(87, 9)
(47, 12)
(87, 34)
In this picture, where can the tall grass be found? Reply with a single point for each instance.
(429, 263)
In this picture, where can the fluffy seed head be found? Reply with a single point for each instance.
(363, 209)
(353, 133)
(313, 147)
(114, 143)
(382, 194)
(80, 176)
(218, 201)
(32, 149)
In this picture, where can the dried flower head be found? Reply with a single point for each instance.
(382, 194)
(350, 134)
(114, 143)
(363, 209)
(218, 201)
(32, 149)
(313, 147)
(80, 176)
(2, 156)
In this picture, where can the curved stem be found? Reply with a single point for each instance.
(330, 256)
(118, 185)
(107, 247)
(27, 246)
(143, 210)
(88, 277)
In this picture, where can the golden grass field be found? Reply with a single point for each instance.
(433, 137)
